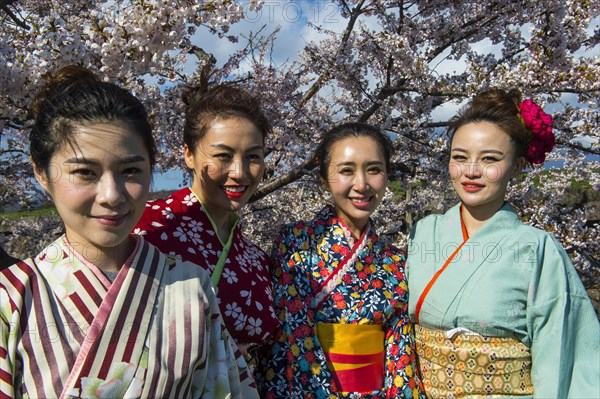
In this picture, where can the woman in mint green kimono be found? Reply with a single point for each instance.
(498, 306)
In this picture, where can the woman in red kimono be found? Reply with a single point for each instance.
(223, 138)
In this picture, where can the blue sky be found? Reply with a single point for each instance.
(293, 20)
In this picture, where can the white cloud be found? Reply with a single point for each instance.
(291, 17)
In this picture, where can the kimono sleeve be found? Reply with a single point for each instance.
(228, 374)
(154, 220)
(402, 378)
(563, 328)
(7, 347)
(282, 270)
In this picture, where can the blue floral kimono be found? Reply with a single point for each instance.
(312, 287)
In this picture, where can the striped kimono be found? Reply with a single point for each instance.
(155, 331)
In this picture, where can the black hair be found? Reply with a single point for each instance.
(204, 105)
(76, 96)
(352, 129)
(499, 107)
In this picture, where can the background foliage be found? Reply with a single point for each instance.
(398, 64)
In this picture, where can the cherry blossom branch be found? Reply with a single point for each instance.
(303, 169)
(14, 151)
(354, 14)
(5, 6)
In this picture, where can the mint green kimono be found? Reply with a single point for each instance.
(509, 280)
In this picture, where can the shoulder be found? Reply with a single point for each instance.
(181, 270)
(527, 234)
(452, 214)
(296, 229)
(393, 252)
(551, 265)
(158, 204)
(182, 196)
(20, 267)
(16, 285)
(292, 237)
(449, 214)
(161, 213)
(435, 223)
(53, 254)
(155, 216)
(312, 227)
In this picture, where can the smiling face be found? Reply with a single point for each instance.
(357, 178)
(482, 161)
(99, 182)
(228, 163)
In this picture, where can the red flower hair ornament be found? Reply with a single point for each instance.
(539, 123)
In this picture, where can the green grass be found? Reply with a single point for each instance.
(35, 212)
(574, 184)
(398, 190)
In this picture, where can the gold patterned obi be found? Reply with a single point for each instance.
(471, 365)
(355, 355)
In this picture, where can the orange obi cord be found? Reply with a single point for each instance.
(355, 355)
(465, 235)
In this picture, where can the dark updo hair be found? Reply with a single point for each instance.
(74, 96)
(221, 101)
(352, 129)
(500, 108)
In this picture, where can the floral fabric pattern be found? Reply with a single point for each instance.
(374, 291)
(178, 225)
(119, 381)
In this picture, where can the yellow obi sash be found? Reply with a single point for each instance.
(470, 365)
(355, 355)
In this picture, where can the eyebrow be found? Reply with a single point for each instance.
(484, 151)
(354, 163)
(131, 159)
(228, 148)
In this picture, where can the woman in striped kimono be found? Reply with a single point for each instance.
(341, 295)
(498, 306)
(101, 313)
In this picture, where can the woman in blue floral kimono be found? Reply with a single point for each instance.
(341, 295)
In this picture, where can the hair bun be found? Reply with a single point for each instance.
(63, 76)
(516, 96)
(191, 93)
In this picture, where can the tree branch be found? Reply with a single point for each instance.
(465, 34)
(577, 147)
(4, 6)
(356, 12)
(4, 152)
(303, 169)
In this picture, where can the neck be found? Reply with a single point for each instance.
(222, 222)
(220, 217)
(475, 217)
(109, 259)
(355, 229)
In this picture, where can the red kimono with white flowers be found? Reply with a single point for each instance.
(178, 225)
